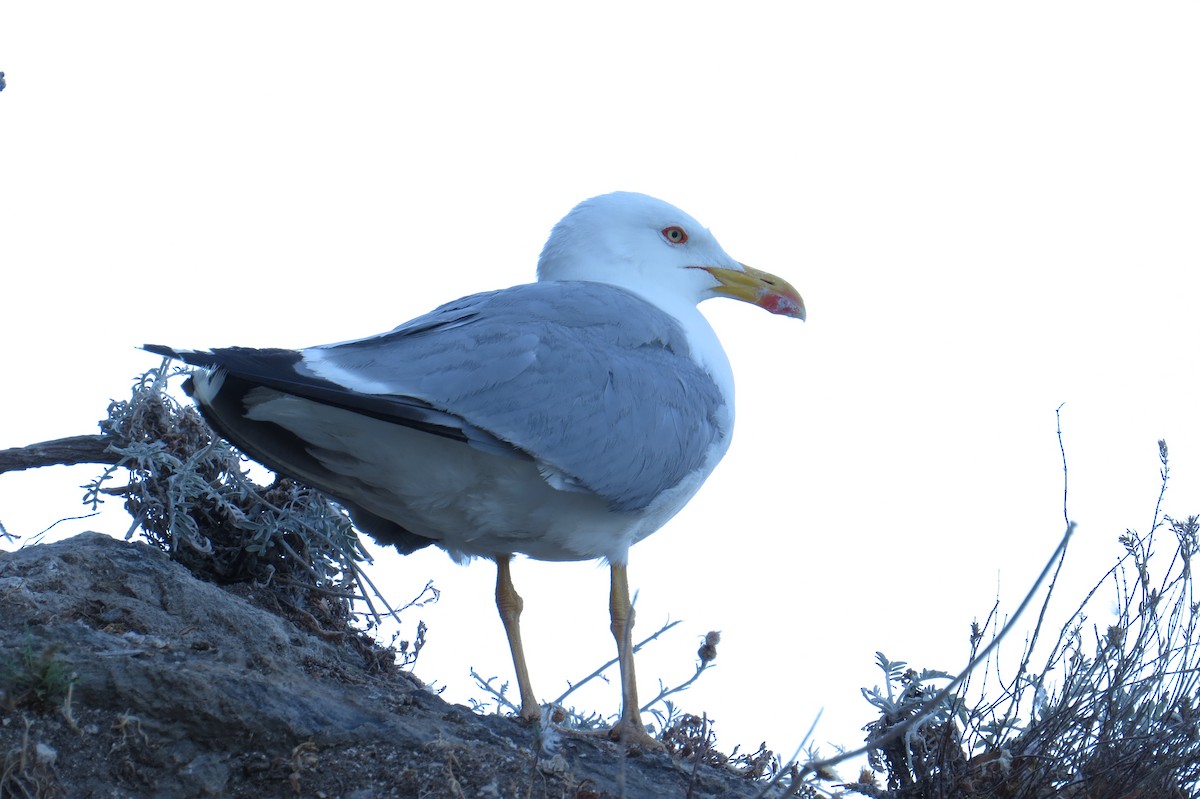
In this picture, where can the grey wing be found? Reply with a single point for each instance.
(592, 382)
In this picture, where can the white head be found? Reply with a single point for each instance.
(657, 251)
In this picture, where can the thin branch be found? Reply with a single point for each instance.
(611, 663)
(497, 695)
(1061, 558)
(59, 452)
(663, 693)
(816, 766)
(787, 767)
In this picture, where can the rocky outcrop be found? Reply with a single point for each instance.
(125, 676)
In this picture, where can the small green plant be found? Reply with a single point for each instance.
(38, 681)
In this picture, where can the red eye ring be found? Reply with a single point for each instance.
(675, 234)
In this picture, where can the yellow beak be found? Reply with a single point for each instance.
(758, 288)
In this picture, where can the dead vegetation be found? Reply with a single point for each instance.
(1095, 711)
(190, 494)
(1109, 711)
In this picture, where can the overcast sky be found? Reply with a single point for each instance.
(990, 210)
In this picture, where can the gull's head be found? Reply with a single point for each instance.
(657, 251)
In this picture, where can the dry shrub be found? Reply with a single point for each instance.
(190, 493)
(1111, 713)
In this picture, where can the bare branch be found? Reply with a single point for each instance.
(927, 708)
(59, 452)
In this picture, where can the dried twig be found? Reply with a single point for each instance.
(59, 452)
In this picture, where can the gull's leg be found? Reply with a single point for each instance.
(630, 729)
(510, 604)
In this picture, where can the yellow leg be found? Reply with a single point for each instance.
(510, 605)
(630, 729)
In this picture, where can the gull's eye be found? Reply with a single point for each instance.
(675, 234)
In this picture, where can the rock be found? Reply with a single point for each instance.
(184, 689)
(45, 754)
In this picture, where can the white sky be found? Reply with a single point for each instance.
(990, 210)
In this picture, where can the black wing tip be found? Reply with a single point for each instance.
(161, 349)
(193, 357)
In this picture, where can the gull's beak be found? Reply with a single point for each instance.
(759, 288)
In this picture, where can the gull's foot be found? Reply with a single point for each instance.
(634, 736)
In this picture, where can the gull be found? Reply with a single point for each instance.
(564, 420)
